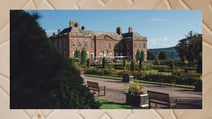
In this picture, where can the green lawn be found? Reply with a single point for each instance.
(141, 81)
(111, 105)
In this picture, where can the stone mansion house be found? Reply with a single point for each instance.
(99, 44)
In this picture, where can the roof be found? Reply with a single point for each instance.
(99, 34)
(136, 35)
(75, 31)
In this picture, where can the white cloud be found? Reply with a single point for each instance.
(161, 42)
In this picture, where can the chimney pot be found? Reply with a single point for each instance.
(119, 30)
(83, 28)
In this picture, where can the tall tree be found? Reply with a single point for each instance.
(77, 54)
(190, 47)
(83, 56)
(150, 55)
(103, 62)
(199, 64)
(132, 65)
(88, 62)
(124, 63)
(40, 76)
(141, 59)
(138, 55)
(142, 55)
(162, 55)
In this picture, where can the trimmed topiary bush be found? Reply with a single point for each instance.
(124, 64)
(103, 62)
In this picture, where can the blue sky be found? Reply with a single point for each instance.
(163, 28)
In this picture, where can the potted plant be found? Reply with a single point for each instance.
(127, 77)
(134, 90)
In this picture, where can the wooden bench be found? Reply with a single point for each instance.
(160, 98)
(94, 86)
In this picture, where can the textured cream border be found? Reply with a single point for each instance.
(204, 5)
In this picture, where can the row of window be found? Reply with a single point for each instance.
(104, 45)
(140, 45)
(81, 44)
(109, 45)
(120, 46)
(63, 44)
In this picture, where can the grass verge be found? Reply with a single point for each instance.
(111, 105)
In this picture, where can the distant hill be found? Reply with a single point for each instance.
(171, 51)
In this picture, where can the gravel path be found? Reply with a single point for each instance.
(115, 89)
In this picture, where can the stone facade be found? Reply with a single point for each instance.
(99, 44)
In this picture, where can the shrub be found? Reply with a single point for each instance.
(157, 61)
(121, 73)
(139, 74)
(132, 65)
(140, 64)
(187, 78)
(124, 64)
(103, 62)
(162, 55)
(199, 64)
(134, 88)
(154, 77)
(161, 68)
(101, 71)
(118, 66)
(83, 56)
(88, 62)
(171, 64)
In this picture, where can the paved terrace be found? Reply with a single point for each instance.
(115, 89)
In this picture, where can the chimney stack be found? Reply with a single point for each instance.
(118, 30)
(83, 28)
(71, 23)
(77, 25)
(58, 31)
(130, 29)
